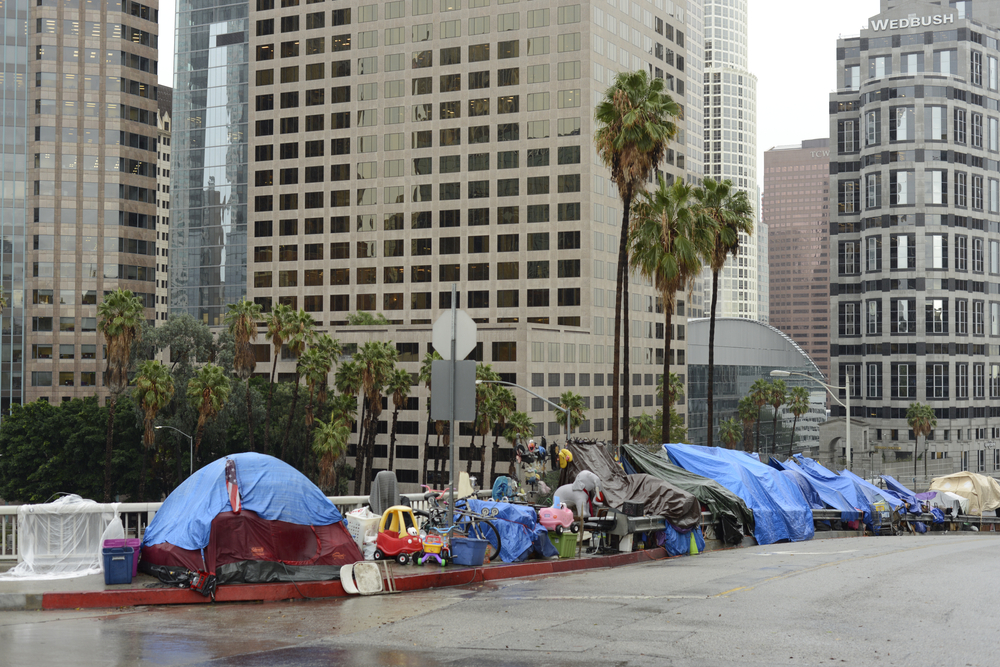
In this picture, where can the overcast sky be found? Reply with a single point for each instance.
(792, 53)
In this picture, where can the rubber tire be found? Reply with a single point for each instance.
(480, 528)
(378, 555)
(419, 561)
(559, 529)
(402, 559)
(575, 528)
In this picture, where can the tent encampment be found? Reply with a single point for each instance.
(283, 529)
(982, 492)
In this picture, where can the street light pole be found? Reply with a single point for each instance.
(565, 411)
(190, 446)
(829, 388)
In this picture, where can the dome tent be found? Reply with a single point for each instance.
(284, 530)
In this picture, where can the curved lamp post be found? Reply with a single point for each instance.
(190, 446)
(830, 390)
(565, 411)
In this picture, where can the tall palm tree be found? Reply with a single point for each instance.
(481, 423)
(667, 242)
(242, 320)
(760, 395)
(425, 377)
(376, 360)
(778, 395)
(748, 413)
(120, 317)
(675, 389)
(798, 405)
(153, 390)
(519, 426)
(644, 430)
(277, 323)
(574, 403)
(207, 392)
(634, 124)
(731, 214)
(398, 384)
(314, 367)
(328, 443)
(504, 407)
(299, 332)
(919, 417)
(349, 383)
(730, 432)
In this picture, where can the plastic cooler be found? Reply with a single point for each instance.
(565, 544)
(118, 564)
(468, 551)
(130, 542)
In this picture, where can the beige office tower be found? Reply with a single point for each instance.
(797, 213)
(399, 148)
(163, 203)
(79, 194)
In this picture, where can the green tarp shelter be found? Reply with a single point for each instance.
(717, 499)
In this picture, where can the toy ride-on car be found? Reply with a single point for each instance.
(434, 549)
(398, 536)
(557, 519)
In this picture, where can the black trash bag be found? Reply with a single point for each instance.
(729, 531)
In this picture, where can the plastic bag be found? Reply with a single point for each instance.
(369, 550)
(114, 531)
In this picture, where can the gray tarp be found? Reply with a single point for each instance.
(717, 499)
(660, 498)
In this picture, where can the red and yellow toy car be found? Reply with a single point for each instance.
(398, 535)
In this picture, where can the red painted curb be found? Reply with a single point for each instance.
(441, 578)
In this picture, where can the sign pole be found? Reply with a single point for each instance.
(452, 434)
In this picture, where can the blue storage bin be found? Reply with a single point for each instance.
(468, 551)
(117, 565)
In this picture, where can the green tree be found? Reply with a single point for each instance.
(189, 341)
(376, 360)
(574, 403)
(362, 317)
(777, 396)
(315, 365)
(676, 388)
(120, 316)
(504, 406)
(730, 432)
(242, 321)
(482, 420)
(643, 430)
(731, 214)
(154, 388)
(299, 332)
(398, 384)
(207, 392)
(425, 377)
(519, 427)
(748, 414)
(278, 326)
(329, 442)
(760, 395)
(798, 405)
(667, 243)
(920, 418)
(634, 124)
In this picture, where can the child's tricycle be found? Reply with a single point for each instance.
(398, 536)
(434, 549)
(557, 518)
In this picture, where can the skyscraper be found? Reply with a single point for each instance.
(730, 143)
(78, 206)
(796, 212)
(163, 125)
(916, 228)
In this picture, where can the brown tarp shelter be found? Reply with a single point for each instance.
(983, 492)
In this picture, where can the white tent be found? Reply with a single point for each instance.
(982, 492)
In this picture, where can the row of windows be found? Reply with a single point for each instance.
(856, 318)
(967, 128)
(969, 253)
(63, 379)
(395, 275)
(534, 298)
(49, 351)
(479, 134)
(939, 378)
(447, 245)
(420, 112)
(967, 191)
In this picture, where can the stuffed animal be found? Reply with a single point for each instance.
(581, 494)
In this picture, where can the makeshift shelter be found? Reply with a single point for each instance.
(851, 487)
(945, 500)
(827, 497)
(903, 493)
(779, 509)
(660, 498)
(717, 499)
(982, 492)
(266, 523)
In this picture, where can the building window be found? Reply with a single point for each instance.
(903, 314)
(903, 380)
(936, 186)
(960, 117)
(936, 316)
(979, 380)
(849, 260)
(848, 196)
(873, 253)
(937, 251)
(937, 381)
(848, 317)
(874, 317)
(901, 124)
(961, 380)
(978, 318)
(847, 136)
(962, 317)
(903, 252)
(901, 189)
(873, 376)
(873, 128)
(873, 191)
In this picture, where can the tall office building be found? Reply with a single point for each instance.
(796, 212)
(400, 147)
(78, 206)
(730, 147)
(163, 117)
(917, 225)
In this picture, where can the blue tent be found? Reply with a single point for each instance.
(829, 497)
(873, 492)
(903, 494)
(780, 510)
(268, 486)
(855, 494)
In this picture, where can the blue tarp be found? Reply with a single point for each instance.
(829, 496)
(679, 544)
(801, 481)
(855, 495)
(518, 527)
(903, 494)
(872, 492)
(268, 486)
(780, 511)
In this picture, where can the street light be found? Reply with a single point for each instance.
(190, 445)
(829, 390)
(560, 408)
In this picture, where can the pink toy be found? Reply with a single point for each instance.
(557, 518)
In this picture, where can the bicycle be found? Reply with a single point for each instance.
(468, 523)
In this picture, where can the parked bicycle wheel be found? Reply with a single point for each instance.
(485, 530)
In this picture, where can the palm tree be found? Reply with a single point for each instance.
(277, 322)
(349, 383)
(748, 412)
(730, 432)
(425, 377)
(778, 394)
(299, 332)
(153, 390)
(504, 407)
(376, 360)
(798, 405)
(574, 403)
(399, 385)
(634, 124)
(519, 426)
(920, 417)
(481, 423)
(731, 214)
(667, 243)
(207, 392)
(242, 320)
(760, 395)
(314, 366)
(676, 388)
(328, 443)
(120, 317)
(643, 429)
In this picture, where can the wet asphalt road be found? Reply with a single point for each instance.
(927, 601)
